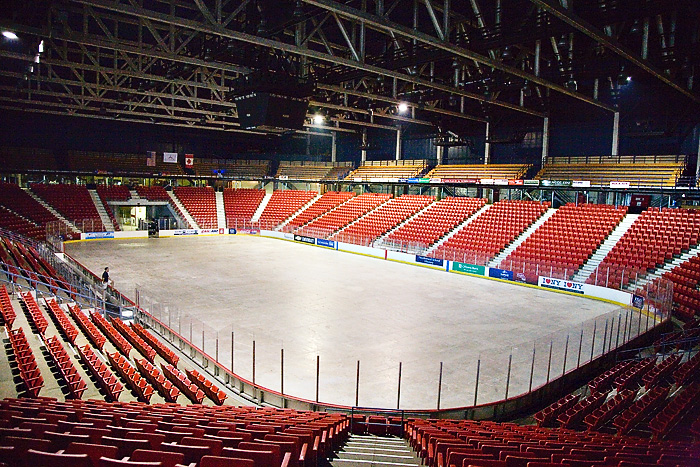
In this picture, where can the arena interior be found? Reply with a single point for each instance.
(349, 233)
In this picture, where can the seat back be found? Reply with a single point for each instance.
(168, 459)
(214, 461)
(54, 459)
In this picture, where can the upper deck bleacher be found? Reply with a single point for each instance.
(642, 171)
(305, 170)
(381, 170)
(480, 171)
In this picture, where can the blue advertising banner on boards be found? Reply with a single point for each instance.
(326, 243)
(428, 260)
(97, 235)
(305, 239)
(501, 274)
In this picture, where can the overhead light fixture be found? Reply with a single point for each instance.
(9, 35)
(319, 119)
(41, 47)
(403, 107)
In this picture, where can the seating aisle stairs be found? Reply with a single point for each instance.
(372, 450)
(518, 241)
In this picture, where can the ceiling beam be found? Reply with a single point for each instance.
(383, 24)
(610, 43)
(220, 31)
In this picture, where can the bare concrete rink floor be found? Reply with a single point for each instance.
(343, 307)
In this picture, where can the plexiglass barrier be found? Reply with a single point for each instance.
(459, 380)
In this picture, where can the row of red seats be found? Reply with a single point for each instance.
(604, 382)
(163, 385)
(241, 203)
(283, 204)
(15, 223)
(179, 379)
(344, 214)
(114, 192)
(108, 330)
(133, 379)
(450, 442)
(72, 201)
(61, 320)
(134, 339)
(675, 410)
(92, 333)
(573, 417)
(661, 371)
(35, 314)
(611, 409)
(7, 311)
(633, 375)
(688, 371)
(18, 201)
(167, 354)
(385, 217)
(26, 363)
(108, 210)
(200, 202)
(685, 278)
(75, 383)
(153, 193)
(328, 201)
(212, 392)
(100, 372)
(437, 220)
(549, 414)
(649, 402)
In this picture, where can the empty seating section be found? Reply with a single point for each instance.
(657, 236)
(378, 222)
(153, 193)
(686, 296)
(74, 382)
(443, 443)
(240, 204)
(22, 159)
(134, 339)
(69, 331)
(325, 225)
(15, 199)
(560, 246)
(655, 171)
(37, 318)
(304, 170)
(93, 433)
(16, 223)
(283, 204)
(329, 200)
(26, 363)
(72, 201)
(387, 170)
(212, 392)
(92, 333)
(491, 231)
(127, 164)
(7, 311)
(251, 169)
(105, 379)
(434, 222)
(187, 387)
(108, 330)
(167, 354)
(164, 387)
(480, 171)
(132, 377)
(200, 202)
(337, 173)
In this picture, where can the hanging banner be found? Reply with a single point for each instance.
(189, 160)
(170, 157)
(151, 159)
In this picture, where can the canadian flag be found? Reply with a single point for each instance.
(189, 160)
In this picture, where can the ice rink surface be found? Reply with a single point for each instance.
(347, 308)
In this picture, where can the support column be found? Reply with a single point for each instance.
(363, 154)
(440, 153)
(616, 134)
(545, 141)
(334, 147)
(487, 145)
(398, 143)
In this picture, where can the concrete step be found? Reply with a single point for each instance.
(369, 450)
(303, 208)
(101, 210)
(188, 216)
(220, 210)
(51, 210)
(134, 194)
(261, 208)
(381, 239)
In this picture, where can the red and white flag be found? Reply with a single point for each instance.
(189, 160)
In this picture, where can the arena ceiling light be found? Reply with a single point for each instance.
(319, 119)
(9, 35)
(403, 107)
